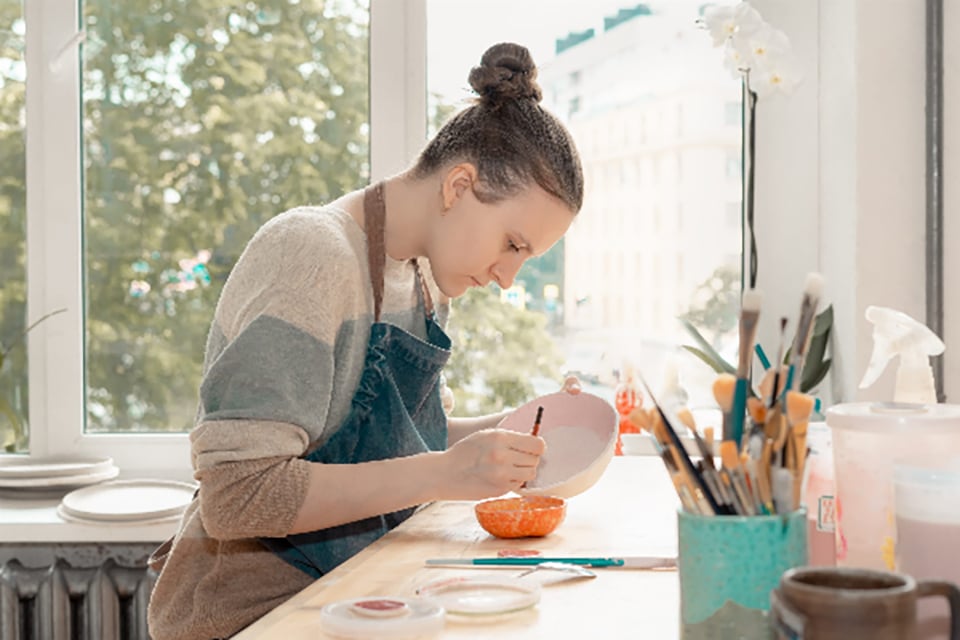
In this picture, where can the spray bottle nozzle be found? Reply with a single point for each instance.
(897, 334)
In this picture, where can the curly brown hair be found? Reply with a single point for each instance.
(511, 139)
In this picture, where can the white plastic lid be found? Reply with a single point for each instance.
(892, 417)
(482, 595)
(362, 618)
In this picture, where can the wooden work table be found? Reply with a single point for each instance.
(630, 511)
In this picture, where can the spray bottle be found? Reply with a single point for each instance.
(897, 334)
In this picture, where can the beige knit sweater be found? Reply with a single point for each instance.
(282, 363)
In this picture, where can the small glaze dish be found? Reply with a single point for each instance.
(581, 434)
(469, 596)
(526, 517)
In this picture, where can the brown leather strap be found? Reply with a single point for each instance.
(374, 219)
(374, 223)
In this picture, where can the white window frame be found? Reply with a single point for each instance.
(865, 200)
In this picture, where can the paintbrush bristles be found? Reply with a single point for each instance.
(812, 290)
(723, 391)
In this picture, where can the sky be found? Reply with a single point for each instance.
(458, 31)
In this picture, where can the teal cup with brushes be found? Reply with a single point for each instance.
(728, 566)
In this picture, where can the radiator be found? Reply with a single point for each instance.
(63, 602)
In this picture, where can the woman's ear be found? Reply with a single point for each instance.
(457, 182)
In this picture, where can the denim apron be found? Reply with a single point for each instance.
(396, 410)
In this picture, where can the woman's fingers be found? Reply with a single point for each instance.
(494, 461)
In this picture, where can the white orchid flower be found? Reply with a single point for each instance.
(736, 58)
(720, 22)
(765, 44)
(724, 21)
(778, 74)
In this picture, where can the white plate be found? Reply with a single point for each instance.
(18, 467)
(116, 523)
(79, 480)
(127, 500)
(421, 618)
(482, 595)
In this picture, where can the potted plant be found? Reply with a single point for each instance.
(12, 431)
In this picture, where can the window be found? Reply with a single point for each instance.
(627, 87)
(189, 129)
(732, 113)
(807, 138)
(14, 418)
(197, 129)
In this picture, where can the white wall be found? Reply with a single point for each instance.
(842, 162)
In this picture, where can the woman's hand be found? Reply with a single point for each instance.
(490, 463)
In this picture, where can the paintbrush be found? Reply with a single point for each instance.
(711, 476)
(723, 388)
(812, 290)
(751, 478)
(708, 440)
(625, 562)
(536, 423)
(763, 476)
(731, 462)
(775, 391)
(683, 460)
(687, 499)
(799, 407)
(749, 316)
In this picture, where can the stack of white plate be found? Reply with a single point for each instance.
(38, 478)
(128, 501)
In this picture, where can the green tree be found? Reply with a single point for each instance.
(498, 350)
(202, 120)
(13, 372)
(716, 305)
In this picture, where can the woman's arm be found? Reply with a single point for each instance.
(483, 464)
(459, 428)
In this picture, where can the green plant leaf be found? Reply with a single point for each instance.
(824, 321)
(812, 377)
(706, 352)
(9, 441)
(816, 353)
(709, 361)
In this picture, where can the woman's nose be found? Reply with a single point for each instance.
(505, 274)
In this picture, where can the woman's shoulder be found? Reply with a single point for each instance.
(325, 230)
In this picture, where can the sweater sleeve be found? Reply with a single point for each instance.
(268, 380)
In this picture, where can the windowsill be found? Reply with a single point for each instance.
(37, 521)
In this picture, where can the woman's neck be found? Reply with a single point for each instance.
(410, 205)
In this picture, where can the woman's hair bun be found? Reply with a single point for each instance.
(506, 72)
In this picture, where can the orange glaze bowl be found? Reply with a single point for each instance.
(526, 517)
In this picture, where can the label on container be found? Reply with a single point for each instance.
(826, 514)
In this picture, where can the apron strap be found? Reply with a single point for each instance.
(374, 223)
(374, 218)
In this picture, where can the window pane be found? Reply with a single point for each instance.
(13, 220)
(201, 121)
(649, 103)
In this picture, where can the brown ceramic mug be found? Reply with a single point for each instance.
(840, 603)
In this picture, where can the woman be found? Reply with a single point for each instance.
(320, 424)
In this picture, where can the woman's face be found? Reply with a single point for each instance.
(473, 243)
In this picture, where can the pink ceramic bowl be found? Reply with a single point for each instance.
(581, 434)
(528, 517)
